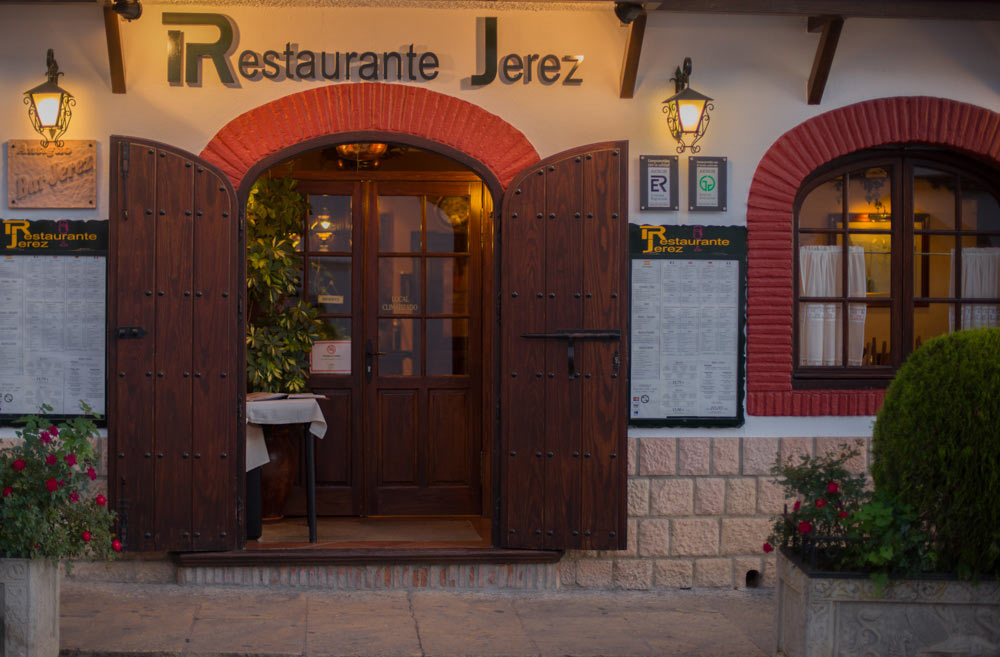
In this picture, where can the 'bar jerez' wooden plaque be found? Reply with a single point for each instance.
(687, 319)
(51, 176)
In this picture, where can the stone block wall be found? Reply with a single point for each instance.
(699, 511)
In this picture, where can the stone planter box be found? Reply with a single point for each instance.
(29, 601)
(826, 614)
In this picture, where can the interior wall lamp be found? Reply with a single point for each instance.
(49, 105)
(687, 111)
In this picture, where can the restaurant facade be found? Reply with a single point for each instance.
(546, 316)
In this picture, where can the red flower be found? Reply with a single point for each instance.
(45, 437)
(805, 527)
(50, 459)
(53, 430)
(19, 465)
(7, 491)
(116, 545)
(842, 514)
(70, 459)
(62, 482)
(832, 487)
(91, 473)
(86, 536)
(768, 547)
(74, 497)
(52, 484)
(795, 507)
(101, 500)
(820, 503)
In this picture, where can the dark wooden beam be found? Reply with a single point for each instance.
(633, 48)
(936, 9)
(827, 48)
(116, 56)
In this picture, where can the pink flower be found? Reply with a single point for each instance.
(52, 484)
(19, 465)
(45, 437)
(820, 503)
(805, 527)
(70, 459)
(101, 500)
(53, 430)
(795, 507)
(116, 545)
(91, 473)
(768, 547)
(7, 491)
(832, 487)
(74, 497)
(86, 536)
(50, 459)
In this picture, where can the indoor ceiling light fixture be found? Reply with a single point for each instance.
(687, 111)
(49, 105)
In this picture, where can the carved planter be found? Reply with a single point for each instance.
(29, 608)
(826, 614)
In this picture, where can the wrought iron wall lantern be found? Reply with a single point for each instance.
(687, 111)
(49, 105)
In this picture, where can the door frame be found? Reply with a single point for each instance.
(490, 231)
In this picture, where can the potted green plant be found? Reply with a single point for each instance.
(281, 324)
(909, 567)
(47, 514)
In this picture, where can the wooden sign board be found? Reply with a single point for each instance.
(51, 177)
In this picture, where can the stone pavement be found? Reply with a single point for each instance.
(161, 620)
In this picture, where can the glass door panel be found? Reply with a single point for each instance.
(330, 223)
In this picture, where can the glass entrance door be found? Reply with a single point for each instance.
(395, 269)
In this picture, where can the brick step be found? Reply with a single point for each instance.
(469, 576)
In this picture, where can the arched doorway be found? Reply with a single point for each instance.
(559, 422)
(396, 250)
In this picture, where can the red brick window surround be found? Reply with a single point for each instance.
(770, 216)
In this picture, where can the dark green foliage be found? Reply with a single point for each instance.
(808, 483)
(281, 327)
(47, 509)
(936, 447)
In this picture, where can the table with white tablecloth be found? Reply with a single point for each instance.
(286, 411)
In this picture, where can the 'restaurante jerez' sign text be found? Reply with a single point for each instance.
(290, 62)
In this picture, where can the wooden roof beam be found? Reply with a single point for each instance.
(116, 54)
(630, 63)
(825, 51)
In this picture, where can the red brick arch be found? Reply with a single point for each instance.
(795, 155)
(369, 107)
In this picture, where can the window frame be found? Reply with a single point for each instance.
(901, 161)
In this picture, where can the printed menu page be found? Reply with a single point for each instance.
(52, 313)
(687, 330)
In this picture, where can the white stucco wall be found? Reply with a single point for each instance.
(754, 67)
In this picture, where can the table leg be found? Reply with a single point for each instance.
(311, 483)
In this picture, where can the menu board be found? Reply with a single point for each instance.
(52, 333)
(687, 321)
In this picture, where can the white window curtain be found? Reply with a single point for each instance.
(980, 279)
(821, 326)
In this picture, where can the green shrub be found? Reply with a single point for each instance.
(936, 447)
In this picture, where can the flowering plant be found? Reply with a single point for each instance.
(46, 509)
(837, 523)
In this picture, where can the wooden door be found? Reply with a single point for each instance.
(176, 356)
(405, 423)
(563, 364)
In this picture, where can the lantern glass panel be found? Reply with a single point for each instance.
(690, 114)
(47, 107)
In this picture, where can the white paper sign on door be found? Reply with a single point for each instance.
(331, 357)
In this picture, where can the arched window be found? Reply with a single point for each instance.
(919, 231)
